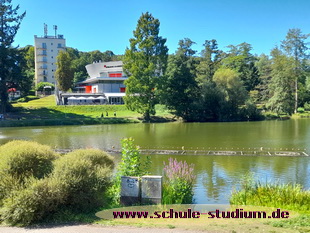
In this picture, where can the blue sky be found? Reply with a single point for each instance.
(107, 25)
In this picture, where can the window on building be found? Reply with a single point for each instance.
(44, 45)
(59, 46)
(52, 57)
(51, 50)
(51, 43)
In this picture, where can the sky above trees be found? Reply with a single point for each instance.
(108, 25)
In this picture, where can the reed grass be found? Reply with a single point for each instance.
(288, 196)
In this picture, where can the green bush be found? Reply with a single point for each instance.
(33, 203)
(21, 160)
(78, 182)
(300, 110)
(250, 112)
(85, 175)
(96, 157)
(307, 106)
(41, 85)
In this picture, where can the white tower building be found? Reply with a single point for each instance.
(46, 51)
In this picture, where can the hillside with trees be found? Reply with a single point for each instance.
(215, 85)
(207, 85)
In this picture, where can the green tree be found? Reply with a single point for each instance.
(10, 22)
(210, 61)
(240, 59)
(101, 56)
(211, 101)
(180, 90)
(295, 46)
(41, 85)
(235, 94)
(145, 63)
(25, 83)
(264, 68)
(64, 73)
(282, 83)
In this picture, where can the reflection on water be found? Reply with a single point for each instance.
(217, 176)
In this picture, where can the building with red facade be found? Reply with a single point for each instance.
(105, 85)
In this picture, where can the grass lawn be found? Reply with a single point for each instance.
(44, 111)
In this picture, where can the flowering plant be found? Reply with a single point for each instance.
(178, 182)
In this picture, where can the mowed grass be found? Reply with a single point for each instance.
(44, 111)
(48, 101)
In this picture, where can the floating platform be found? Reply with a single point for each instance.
(258, 152)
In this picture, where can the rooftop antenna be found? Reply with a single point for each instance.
(45, 30)
(55, 28)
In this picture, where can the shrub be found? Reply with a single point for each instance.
(33, 203)
(250, 112)
(300, 110)
(307, 106)
(41, 85)
(78, 183)
(178, 182)
(96, 157)
(20, 160)
(85, 176)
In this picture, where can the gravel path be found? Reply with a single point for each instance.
(91, 229)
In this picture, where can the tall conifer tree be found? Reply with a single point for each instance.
(145, 62)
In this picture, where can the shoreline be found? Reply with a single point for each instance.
(18, 120)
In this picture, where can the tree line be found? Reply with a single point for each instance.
(214, 85)
(209, 85)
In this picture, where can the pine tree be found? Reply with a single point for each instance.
(296, 47)
(181, 90)
(282, 83)
(145, 62)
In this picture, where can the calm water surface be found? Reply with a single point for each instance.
(217, 176)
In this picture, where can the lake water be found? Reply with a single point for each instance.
(217, 176)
